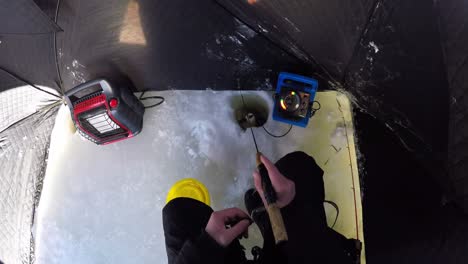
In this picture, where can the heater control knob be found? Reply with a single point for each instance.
(113, 102)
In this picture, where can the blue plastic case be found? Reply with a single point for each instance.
(309, 85)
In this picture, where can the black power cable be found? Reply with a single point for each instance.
(337, 210)
(277, 136)
(141, 98)
(312, 111)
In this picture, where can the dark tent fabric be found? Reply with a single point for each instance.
(24, 17)
(209, 50)
(402, 63)
(27, 46)
(379, 51)
(454, 35)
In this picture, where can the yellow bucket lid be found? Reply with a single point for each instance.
(189, 188)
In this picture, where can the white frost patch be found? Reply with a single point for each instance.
(389, 126)
(247, 62)
(78, 76)
(162, 134)
(191, 152)
(77, 65)
(292, 24)
(219, 39)
(454, 100)
(235, 40)
(214, 55)
(332, 116)
(338, 137)
(264, 30)
(244, 31)
(374, 46)
(215, 52)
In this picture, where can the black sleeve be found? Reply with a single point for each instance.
(201, 250)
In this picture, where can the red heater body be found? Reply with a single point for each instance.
(104, 113)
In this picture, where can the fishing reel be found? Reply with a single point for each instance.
(294, 99)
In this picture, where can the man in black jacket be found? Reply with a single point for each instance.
(194, 233)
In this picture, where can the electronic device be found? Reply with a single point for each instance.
(104, 113)
(294, 99)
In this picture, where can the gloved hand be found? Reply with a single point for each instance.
(226, 225)
(285, 188)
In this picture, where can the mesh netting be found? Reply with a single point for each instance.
(26, 122)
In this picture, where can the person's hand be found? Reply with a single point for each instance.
(284, 187)
(226, 225)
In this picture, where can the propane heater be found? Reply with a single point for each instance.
(103, 113)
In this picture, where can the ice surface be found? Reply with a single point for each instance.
(102, 204)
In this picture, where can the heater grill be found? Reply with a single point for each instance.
(98, 123)
(102, 123)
